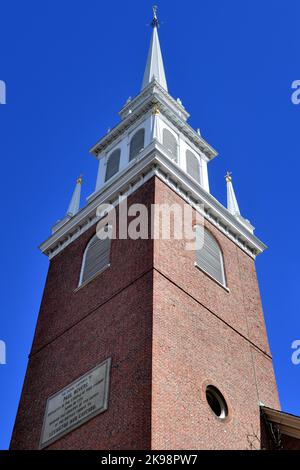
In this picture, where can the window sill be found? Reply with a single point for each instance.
(212, 278)
(91, 279)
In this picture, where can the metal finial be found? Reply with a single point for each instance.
(228, 176)
(155, 22)
(79, 180)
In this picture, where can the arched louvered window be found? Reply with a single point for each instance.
(170, 142)
(209, 257)
(95, 259)
(192, 165)
(113, 163)
(137, 144)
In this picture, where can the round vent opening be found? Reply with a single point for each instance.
(216, 402)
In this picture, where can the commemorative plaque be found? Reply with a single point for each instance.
(75, 404)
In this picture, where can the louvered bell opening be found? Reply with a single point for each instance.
(137, 144)
(113, 164)
(192, 166)
(210, 258)
(96, 258)
(170, 142)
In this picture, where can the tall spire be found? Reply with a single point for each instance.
(75, 201)
(232, 204)
(155, 67)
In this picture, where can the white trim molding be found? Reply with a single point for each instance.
(154, 95)
(154, 161)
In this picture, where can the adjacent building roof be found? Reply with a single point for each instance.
(288, 424)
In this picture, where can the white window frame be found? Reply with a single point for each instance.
(224, 283)
(176, 137)
(81, 284)
(130, 140)
(197, 158)
(107, 160)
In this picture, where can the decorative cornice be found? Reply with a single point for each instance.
(154, 96)
(153, 160)
(152, 88)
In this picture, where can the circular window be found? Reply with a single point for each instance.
(216, 402)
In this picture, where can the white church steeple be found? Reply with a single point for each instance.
(232, 204)
(75, 201)
(73, 208)
(155, 67)
(153, 138)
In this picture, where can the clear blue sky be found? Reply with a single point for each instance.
(70, 65)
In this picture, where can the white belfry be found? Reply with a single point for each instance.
(153, 137)
(75, 201)
(232, 204)
(155, 66)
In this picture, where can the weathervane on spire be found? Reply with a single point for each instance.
(228, 176)
(155, 22)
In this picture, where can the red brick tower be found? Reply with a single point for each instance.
(142, 343)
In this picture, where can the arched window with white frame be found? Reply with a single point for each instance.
(113, 164)
(170, 142)
(95, 258)
(193, 166)
(137, 144)
(209, 256)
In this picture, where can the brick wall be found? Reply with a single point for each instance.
(203, 334)
(76, 330)
(170, 331)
